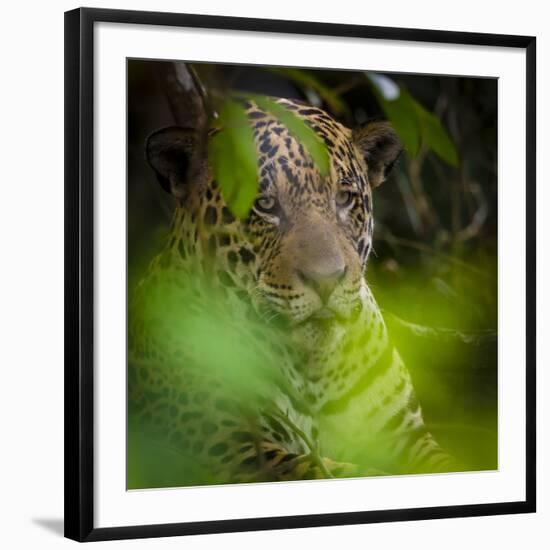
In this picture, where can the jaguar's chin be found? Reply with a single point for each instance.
(307, 313)
(318, 336)
(321, 332)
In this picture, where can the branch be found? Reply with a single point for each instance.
(445, 335)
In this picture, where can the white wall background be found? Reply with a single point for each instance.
(31, 273)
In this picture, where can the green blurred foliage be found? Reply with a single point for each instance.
(451, 347)
(190, 317)
(193, 331)
(152, 464)
(199, 332)
(232, 147)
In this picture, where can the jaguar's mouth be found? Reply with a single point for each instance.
(326, 317)
(323, 318)
(323, 314)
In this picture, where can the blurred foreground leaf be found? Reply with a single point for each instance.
(152, 464)
(232, 153)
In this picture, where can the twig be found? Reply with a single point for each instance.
(478, 218)
(392, 239)
(427, 213)
(477, 338)
(347, 86)
(312, 447)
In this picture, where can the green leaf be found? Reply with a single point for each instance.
(301, 131)
(414, 124)
(435, 136)
(232, 153)
(402, 115)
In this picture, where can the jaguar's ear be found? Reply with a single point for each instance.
(170, 152)
(380, 147)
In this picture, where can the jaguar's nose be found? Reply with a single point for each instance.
(323, 282)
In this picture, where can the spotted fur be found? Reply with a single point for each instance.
(296, 266)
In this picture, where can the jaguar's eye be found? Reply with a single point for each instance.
(343, 198)
(266, 204)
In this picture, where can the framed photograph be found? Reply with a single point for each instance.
(300, 274)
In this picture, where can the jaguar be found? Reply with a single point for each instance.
(323, 391)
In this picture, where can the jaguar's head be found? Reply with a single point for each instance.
(302, 251)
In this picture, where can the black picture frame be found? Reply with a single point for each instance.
(79, 269)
